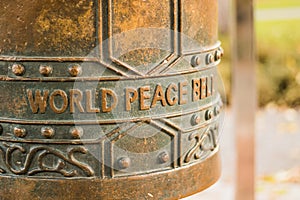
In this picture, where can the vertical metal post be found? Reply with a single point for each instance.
(244, 97)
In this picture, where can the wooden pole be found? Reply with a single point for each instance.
(244, 97)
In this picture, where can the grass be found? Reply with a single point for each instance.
(266, 4)
(278, 63)
(278, 71)
(279, 37)
(278, 58)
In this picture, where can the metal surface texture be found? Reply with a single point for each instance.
(113, 99)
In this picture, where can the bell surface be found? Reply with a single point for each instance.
(113, 99)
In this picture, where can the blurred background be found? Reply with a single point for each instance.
(277, 118)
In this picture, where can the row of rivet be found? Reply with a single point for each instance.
(209, 114)
(46, 70)
(125, 162)
(210, 57)
(77, 132)
(47, 132)
(76, 70)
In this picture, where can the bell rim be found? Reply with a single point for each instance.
(172, 184)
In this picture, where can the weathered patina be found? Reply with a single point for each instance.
(112, 99)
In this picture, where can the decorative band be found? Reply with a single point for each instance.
(107, 102)
(71, 70)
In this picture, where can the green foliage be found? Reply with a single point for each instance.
(278, 58)
(278, 63)
(278, 70)
(265, 4)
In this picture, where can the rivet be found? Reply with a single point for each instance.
(221, 51)
(210, 58)
(1, 129)
(75, 70)
(217, 110)
(164, 157)
(195, 119)
(218, 55)
(46, 70)
(20, 132)
(124, 162)
(196, 61)
(76, 132)
(208, 115)
(221, 104)
(47, 132)
(18, 69)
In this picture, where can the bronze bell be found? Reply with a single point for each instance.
(111, 99)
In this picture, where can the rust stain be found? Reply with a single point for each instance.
(61, 31)
(47, 28)
(19, 106)
(200, 19)
(130, 15)
(164, 185)
(36, 165)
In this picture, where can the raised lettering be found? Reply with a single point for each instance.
(203, 86)
(158, 96)
(90, 103)
(171, 101)
(76, 99)
(143, 97)
(38, 102)
(106, 93)
(196, 90)
(182, 91)
(106, 100)
(131, 95)
(64, 105)
(210, 89)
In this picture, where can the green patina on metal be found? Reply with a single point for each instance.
(108, 99)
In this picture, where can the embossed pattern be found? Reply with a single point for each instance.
(109, 93)
(205, 143)
(30, 167)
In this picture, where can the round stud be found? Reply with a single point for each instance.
(208, 115)
(210, 58)
(124, 162)
(75, 70)
(76, 132)
(196, 61)
(20, 132)
(195, 119)
(45, 70)
(221, 51)
(218, 55)
(18, 69)
(164, 157)
(217, 110)
(47, 132)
